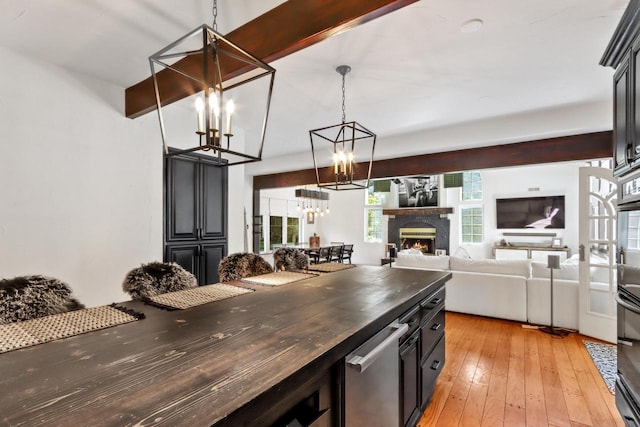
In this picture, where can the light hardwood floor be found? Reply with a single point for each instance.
(497, 373)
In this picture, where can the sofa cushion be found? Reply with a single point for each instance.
(423, 261)
(567, 271)
(517, 267)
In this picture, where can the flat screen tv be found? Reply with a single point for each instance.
(530, 212)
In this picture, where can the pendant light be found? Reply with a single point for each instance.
(219, 73)
(347, 143)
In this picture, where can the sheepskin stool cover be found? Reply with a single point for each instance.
(242, 264)
(29, 297)
(290, 259)
(157, 278)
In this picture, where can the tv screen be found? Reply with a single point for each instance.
(530, 212)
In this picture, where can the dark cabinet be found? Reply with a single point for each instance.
(623, 54)
(196, 214)
(421, 356)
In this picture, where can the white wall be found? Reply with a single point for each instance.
(543, 180)
(346, 221)
(81, 184)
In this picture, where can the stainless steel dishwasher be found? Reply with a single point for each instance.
(372, 380)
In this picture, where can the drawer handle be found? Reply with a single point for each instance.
(435, 365)
(412, 321)
(436, 300)
(436, 326)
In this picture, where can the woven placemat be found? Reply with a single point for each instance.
(329, 267)
(278, 278)
(187, 298)
(44, 329)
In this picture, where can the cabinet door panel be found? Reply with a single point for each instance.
(211, 256)
(431, 368)
(214, 199)
(182, 199)
(409, 380)
(186, 256)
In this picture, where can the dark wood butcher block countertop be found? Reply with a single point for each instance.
(208, 364)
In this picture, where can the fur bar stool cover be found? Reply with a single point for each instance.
(157, 278)
(290, 259)
(242, 264)
(29, 297)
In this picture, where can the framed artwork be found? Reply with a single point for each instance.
(418, 191)
(311, 216)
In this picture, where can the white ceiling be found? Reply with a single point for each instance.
(413, 69)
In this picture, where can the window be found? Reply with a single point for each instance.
(293, 229)
(471, 214)
(633, 230)
(471, 186)
(471, 220)
(373, 216)
(275, 231)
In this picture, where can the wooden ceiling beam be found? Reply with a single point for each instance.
(288, 28)
(565, 148)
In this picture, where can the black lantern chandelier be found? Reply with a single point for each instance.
(346, 172)
(215, 71)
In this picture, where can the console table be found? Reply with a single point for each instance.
(535, 253)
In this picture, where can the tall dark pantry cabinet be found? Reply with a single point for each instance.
(195, 226)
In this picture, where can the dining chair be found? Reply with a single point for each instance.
(346, 253)
(30, 297)
(336, 253)
(242, 264)
(324, 254)
(290, 259)
(157, 278)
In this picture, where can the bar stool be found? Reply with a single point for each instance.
(157, 278)
(290, 259)
(30, 297)
(242, 264)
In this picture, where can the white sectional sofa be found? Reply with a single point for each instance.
(507, 289)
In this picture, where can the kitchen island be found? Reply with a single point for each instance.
(247, 360)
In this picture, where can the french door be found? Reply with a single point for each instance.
(597, 241)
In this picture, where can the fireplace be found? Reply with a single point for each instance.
(428, 231)
(423, 239)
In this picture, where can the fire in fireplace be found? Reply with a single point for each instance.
(418, 238)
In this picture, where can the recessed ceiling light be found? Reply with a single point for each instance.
(471, 26)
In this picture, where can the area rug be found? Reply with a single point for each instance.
(605, 357)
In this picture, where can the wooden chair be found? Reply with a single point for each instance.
(346, 253)
(242, 264)
(290, 259)
(324, 254)
(30, 297)
(157, 278)
(336, 253)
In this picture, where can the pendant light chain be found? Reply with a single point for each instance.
(215, 15)
(344, 113)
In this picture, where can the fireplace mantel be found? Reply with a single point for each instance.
(418, 211)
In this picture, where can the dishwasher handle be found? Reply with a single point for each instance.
(361, 363)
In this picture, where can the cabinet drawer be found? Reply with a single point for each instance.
(411, 318)
(433, 301)
(431, 368)
(431, 332)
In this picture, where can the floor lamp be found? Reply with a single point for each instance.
(553, 262)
